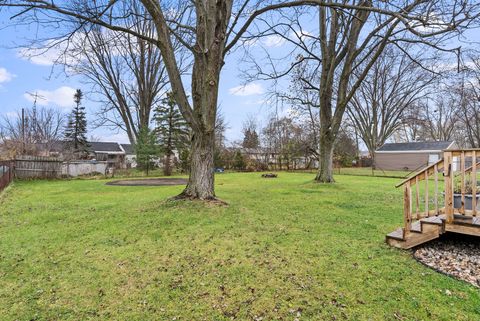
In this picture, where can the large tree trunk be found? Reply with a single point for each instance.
(372, 156)
(201, 181)
(212, 20)
(327, 132)
(325, 159)
(167, 168)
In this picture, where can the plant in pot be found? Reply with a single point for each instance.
(457, 195)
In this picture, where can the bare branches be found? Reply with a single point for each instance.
(38, 125)
(394, 83)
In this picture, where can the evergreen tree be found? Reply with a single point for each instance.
(171, 129)
(239, 162)
(250, 139)
(146, 149)
(76, 131)
(184, 160)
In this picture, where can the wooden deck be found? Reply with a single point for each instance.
(425, 218)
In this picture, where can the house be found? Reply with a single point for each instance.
(410, 156)
(109, 152)
(130, 156)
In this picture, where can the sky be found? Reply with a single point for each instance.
(21, 78)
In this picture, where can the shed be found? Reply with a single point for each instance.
(109, 152)
(410, 156)
(130, 156)
(128, 148)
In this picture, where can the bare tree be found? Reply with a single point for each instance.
(32, 129)
(304, 105)
(210, 29)
(250, 135)
(394, 83)
(440, 118)
(286, 139)
(346, 46)
(451, 112)
(411, 127)
(126, 72)
(470, 102)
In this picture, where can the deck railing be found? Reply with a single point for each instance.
(430, 191)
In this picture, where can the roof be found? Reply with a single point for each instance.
(415, 146)
(104, 147)
(57, 146)
(128, 148)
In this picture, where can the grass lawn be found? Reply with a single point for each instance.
(283, 249)
(367, 171)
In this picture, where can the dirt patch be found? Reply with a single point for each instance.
(149, 182)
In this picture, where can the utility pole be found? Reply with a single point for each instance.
(23, 130)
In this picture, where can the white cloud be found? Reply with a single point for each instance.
(300, 35)
(5, 76)
(274, 41)
(11, 114)
(429, 24)
(61, 97)
(50, 52)
(41, 56)
(247, 90)
(250, 42)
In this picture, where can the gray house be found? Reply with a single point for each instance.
(109, 152)
(130, 156)
(410, 156)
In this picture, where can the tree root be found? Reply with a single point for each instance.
(208, 200)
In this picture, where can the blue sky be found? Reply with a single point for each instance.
(20, 76)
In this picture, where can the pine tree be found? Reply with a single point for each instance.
(239, 162)
(171, 129)
(146, 149)
(250, 139)
(76, 131)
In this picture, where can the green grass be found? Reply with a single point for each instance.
(81, 250)
(367, 171)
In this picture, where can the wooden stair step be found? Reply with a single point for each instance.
(437, 220)
(396, 235)
(412, 239)
(416, 227)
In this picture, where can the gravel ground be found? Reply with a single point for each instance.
(453, 255)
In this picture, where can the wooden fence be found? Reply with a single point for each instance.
(29, 167)
(6, 174)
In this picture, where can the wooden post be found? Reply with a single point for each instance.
(417, 198)
(435, 170)
(462, 176)
(449, 175)
(426, 194)
(407, 213)
(474, 183)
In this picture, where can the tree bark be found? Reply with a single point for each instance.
(167, 169)
(325, 159)
(201, 181)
